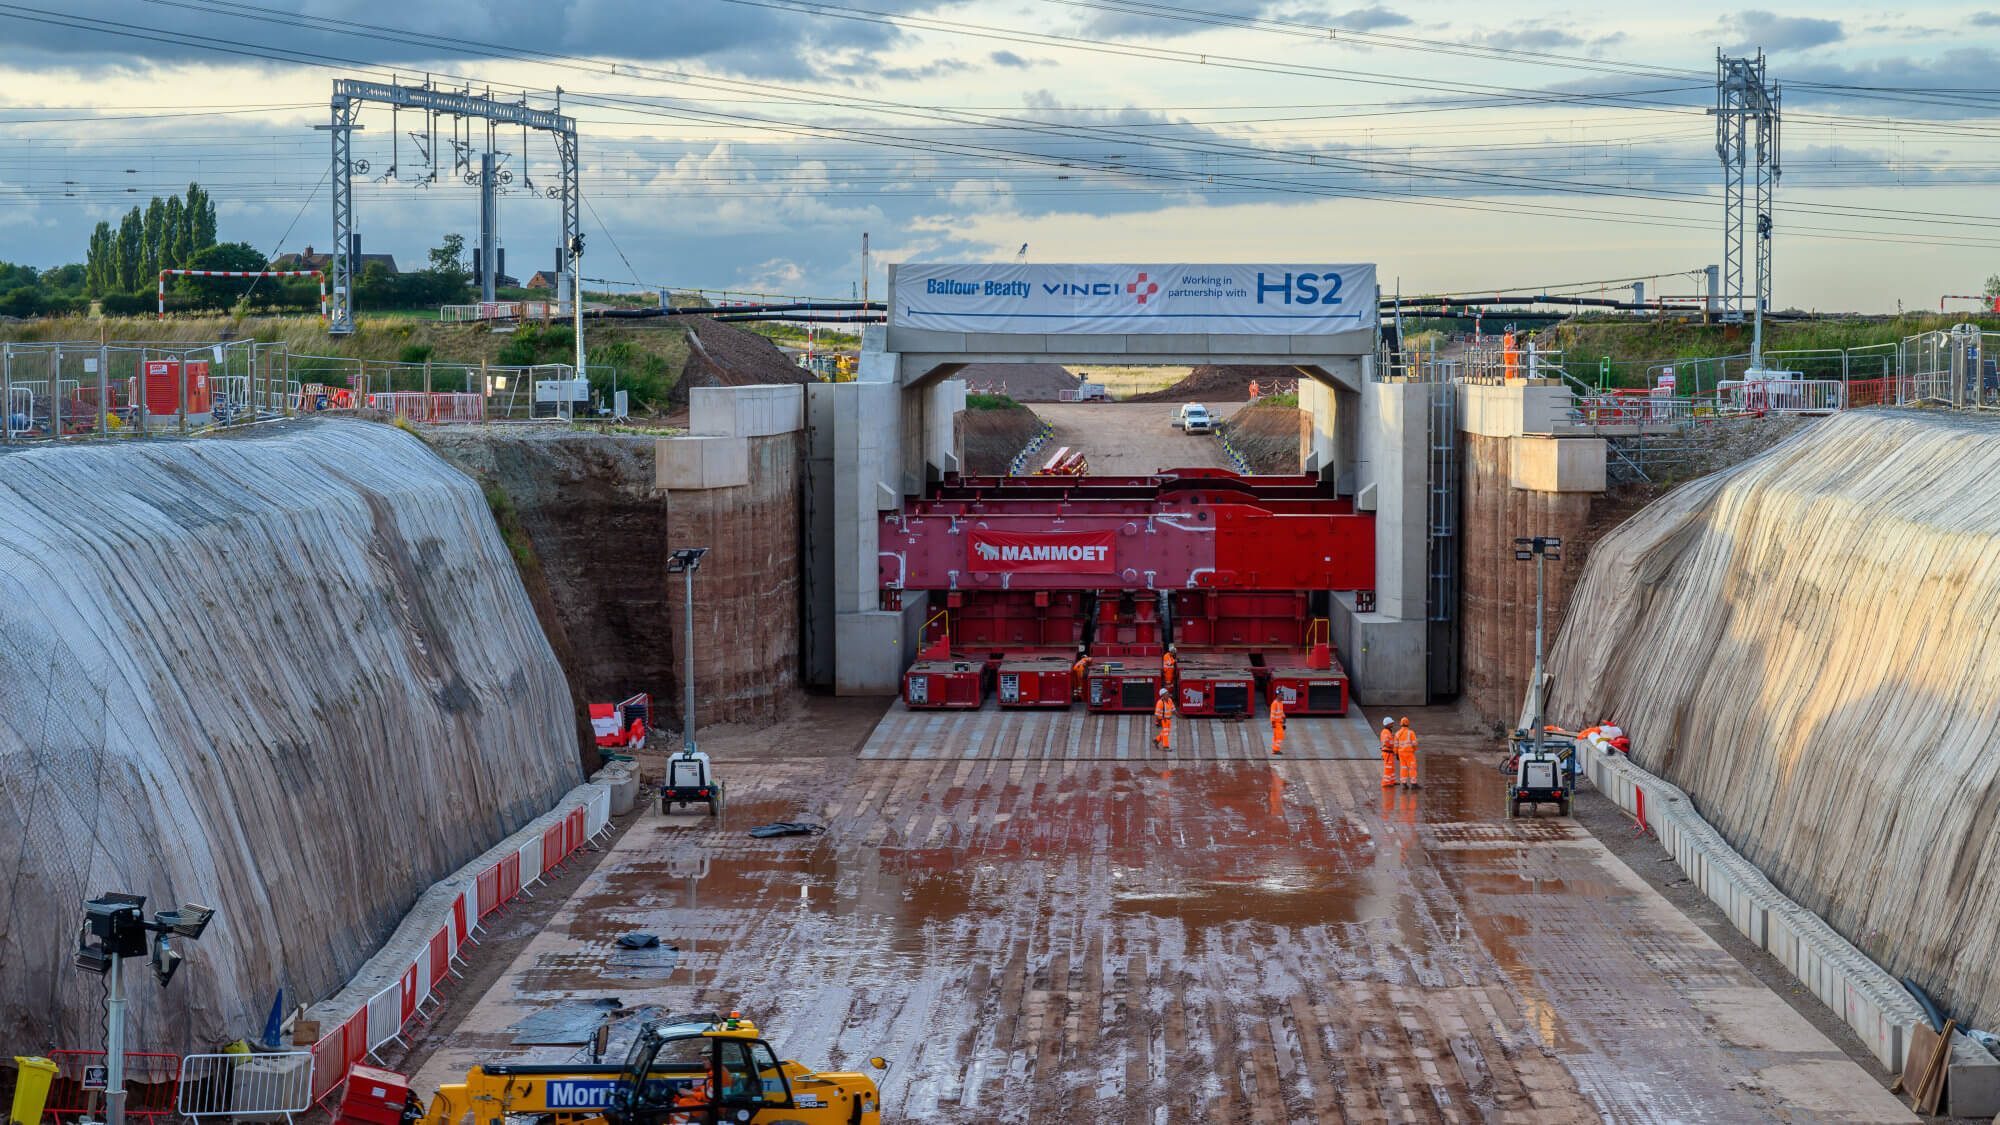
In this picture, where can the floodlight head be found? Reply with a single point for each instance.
(90, 958)
(118, 923)
(189, 921)
(166, 959)
(685, 559)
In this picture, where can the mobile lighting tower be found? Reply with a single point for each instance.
(115, 929)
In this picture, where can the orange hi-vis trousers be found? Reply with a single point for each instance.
(1388, 763)
(1406, 749)
(1277, 738)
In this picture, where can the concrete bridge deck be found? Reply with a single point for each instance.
(1034, 938)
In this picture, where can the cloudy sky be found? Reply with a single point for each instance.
(748, 144)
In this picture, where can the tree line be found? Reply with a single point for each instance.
(167, 235)
(122, 265)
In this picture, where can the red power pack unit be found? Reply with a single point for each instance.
(374, 1097)
(1307, 690)
(936, 684)
(1127, 684)
(1216, 683)
(1036, 682)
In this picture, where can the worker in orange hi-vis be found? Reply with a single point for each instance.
(1406, 753)
(1163, 712)
(1253, 389)
(1388, 753)
(1277, 725)
(1079, 674)
(1167, 676)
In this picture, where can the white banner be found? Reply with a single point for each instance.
(1280, 300)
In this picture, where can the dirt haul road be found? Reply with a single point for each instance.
(1037, 927)
(1130, 438)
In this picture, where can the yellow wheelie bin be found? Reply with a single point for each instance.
(31, 1089)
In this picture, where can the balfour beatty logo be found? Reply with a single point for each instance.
(949, 287)
(1041, 552)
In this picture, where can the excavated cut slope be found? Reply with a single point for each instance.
(1806, 644)
(292, 676)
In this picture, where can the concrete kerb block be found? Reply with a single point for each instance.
(1868, 999)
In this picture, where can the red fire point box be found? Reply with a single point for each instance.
(934, 684)
(164, 378)
(374, 1097)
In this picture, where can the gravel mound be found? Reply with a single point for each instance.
(723, 355)
(1022, 382)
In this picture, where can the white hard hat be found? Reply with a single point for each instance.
(1388, 722)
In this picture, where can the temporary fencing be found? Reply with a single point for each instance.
(151, 1082)
(242, 1085)
(417, 982)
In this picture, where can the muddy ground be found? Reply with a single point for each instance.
(1165, 941)
(1131, 438)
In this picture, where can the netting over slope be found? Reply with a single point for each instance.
(1807, 644)
(291, 676)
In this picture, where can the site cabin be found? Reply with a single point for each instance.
(1307, 690)
(1194, 418)
(1042, 681)
(1222, 684)
(1124, 684)
(945, 684)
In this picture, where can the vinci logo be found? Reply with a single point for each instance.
(1149, 288)
(1049, 553)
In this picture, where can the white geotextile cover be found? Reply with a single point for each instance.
(1807, 644)
(292, 675)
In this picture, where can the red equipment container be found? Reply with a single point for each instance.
(1125, 684)
(1215, 683)
(374, 1097)
(937, 684)
(1307, 690)
(164, 378)
(1036, 682)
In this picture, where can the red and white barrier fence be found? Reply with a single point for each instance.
(386, 1014)
(434, 408)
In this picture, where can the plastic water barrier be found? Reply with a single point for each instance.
(390, 1011)
(273, 1085)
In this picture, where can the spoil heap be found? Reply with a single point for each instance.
(1218, 383)
(1806, 644)
(1022, 382)
(723, 355)
(292, 676)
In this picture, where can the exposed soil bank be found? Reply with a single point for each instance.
(601, 534)
(1268, 436)
(993, 437)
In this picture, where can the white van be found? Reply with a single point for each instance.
(1194, 418)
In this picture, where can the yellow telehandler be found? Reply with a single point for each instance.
(708, 1071)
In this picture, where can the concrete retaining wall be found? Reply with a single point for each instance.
(1879, 1010)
